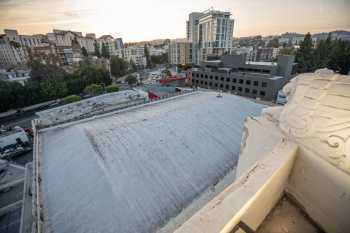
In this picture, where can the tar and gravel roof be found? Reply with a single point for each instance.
(132, 171)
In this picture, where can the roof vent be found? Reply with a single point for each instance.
(219, 95)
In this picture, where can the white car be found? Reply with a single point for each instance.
(281, 98)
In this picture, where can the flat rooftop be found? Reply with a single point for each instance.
(88, 107)
(134, 170)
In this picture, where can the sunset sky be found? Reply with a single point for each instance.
(136, 20)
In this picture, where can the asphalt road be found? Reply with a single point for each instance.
(22, 121)
(10, 222)
(23, 159)
(14, 194)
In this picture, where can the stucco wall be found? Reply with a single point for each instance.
(253, 148)
(323, 190)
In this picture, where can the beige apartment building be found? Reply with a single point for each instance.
(180, 52)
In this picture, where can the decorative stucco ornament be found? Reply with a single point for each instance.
(317, 115)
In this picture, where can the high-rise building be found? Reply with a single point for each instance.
(211, 33)
(192, 34)
(119, 43)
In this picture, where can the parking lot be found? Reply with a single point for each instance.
(11, 198)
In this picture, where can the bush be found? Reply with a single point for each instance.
(93, 89)
(131, 80)
(71, 99)
(112, 88)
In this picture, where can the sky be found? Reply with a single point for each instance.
(137, 20)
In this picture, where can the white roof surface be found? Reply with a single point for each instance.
(132, 171)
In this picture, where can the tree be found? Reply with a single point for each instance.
(53, 88)
(159, 59)
(13, 95)
(131, 80)
(15, 44)
(97, 50)
(273, 43)
(287, 51)
(322, 53)
(105, 51)
(94, 89)
(112, 88)
(93, 74)
(167, 72)
(71, 99)
(84, 51)
(119, 67)
(148, 60)
(41, 71)
(304, 55)
(50, 82)
(133, 67)
(339, 59)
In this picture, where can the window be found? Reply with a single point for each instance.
(227, 79)
(211, 77)
(233, 88)
(221, 86)
(222, 78)
(255, 92)
(227, 87)
(216, 78)
(256, 83)
(196, 81)
(201, 75)
(247, 82)
(262, 93)
(205, 83)
(264, 84)
(206, 76)
(210, 84)
(216, 85)
(234, 80)
(246, 90)
(201, 82)
(240, 81)
(239, 88)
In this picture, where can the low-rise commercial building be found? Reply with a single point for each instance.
(249, 52)
(266, 54)
(251, 79)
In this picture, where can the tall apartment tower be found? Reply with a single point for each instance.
(210, 32)
(192, 34)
